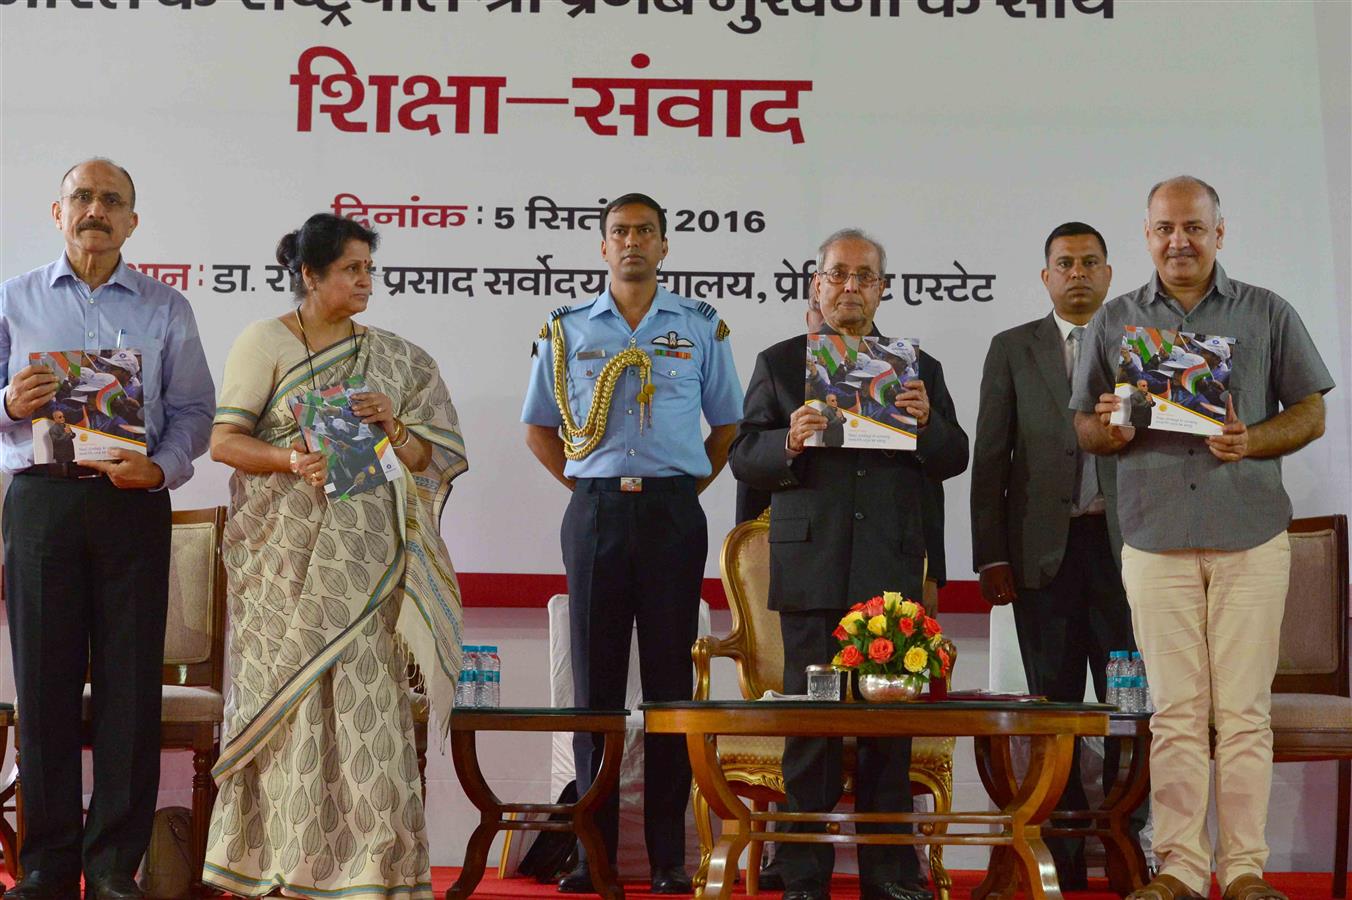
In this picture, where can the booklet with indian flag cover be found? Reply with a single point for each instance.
(359, 455)
(856, 382)
(97, 407)
(1173, 380)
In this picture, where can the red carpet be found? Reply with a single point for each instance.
(1297, 885)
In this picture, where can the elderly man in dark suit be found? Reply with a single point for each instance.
(1044, 525)
(845, 524)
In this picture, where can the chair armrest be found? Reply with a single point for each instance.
(705, 649)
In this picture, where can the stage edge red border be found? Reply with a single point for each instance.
(506, 590)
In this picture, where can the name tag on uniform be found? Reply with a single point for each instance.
(631, 485)
(591, 354)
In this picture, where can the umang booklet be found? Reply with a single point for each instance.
(97, 407)
(359, 455)
(1173, 380)
(856, 382)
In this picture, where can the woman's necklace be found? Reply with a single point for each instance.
(305, 339)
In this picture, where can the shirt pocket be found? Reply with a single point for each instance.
(582, 375)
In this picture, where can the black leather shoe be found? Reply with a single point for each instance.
(113, 887)
(770, 879)
(39, 886)
(895, 890)
(670, 880)
(811, 893)
(577, 881)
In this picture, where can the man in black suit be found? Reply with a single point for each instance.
(845, 525)
(1044, 525)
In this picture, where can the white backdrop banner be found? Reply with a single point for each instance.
(480, 137)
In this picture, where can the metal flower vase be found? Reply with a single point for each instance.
(891, 688)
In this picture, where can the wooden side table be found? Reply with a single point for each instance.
(9, 839)
(467, 723)
(1110, 823)
(1050, 727)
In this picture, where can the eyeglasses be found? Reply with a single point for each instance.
(84, 198)
(864, 280)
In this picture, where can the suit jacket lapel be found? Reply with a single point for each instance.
(1051, 361)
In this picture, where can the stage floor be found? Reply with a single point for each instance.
(1297, 885)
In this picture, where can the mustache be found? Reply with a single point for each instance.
(93, 225)
(1176, 254)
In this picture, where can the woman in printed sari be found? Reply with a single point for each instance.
(331, 599)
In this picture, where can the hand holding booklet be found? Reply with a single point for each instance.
(858, 383)
(359, 455)
(1173, 380)
(97, 407)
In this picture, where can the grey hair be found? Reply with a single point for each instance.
(1192, 181)
(108, 162)
(852, 234)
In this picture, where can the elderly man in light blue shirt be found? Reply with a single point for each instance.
(87, 544)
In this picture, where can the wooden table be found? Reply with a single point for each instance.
(1110, 823)
(467, 723)
(1050, 727)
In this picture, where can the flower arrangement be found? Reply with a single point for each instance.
(890, 635)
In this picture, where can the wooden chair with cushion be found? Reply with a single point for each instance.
(194, 660)
(753, 764)
(1311, 701)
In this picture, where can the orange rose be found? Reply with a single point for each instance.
(944, 663)
(931, 627)
(840, 634)
(906, 626)
(850, 657)
(881, 650)
(858, 607)
(874, 607)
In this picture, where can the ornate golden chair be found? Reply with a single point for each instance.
(752, 764)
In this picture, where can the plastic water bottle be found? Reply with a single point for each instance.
(1133, 691)
(1117, 660)
(490, 677)
(1147, 705)
(466, 687)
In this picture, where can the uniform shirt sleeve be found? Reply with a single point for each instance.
(721, 395)
(1097, 372)
(188, 396)
(540, 408)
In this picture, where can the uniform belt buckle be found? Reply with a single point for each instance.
(631, 485)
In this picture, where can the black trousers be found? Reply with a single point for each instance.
(1076, 620)
(636, 557)
(86, 578)
(812, 772)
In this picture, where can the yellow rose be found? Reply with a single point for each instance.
(916, 660)
(835, 661)
(909, 609)
(877, 625)
(891, 600)
(851, 622)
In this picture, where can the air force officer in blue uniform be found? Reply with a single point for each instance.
(613, 412)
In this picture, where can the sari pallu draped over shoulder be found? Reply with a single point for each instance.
(307, 574)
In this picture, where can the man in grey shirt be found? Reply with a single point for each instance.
(1206, 586)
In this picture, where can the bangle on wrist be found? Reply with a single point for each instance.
(400, 436)
(294, 463)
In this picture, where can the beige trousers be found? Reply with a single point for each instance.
(1208, 623)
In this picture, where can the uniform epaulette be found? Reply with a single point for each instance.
(706, 310)
(560, 311)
